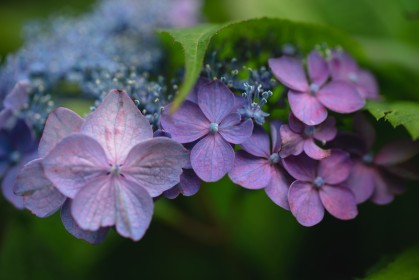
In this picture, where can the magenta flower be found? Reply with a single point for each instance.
(344, 68)
(309, 97)
(258, 166)
(113, 168)
(298, 137)
(320, 185)
(212, 122)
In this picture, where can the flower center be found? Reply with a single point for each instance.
(115, 170)
(274, 158)
(368, 158)
(319, 182)
(15, 157)
(213, 128)
(309, 130)
(353, 77)
(314, 88)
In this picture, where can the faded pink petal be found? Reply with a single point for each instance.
(339, 202)
(307, 108)
(290, 72)
(277, 189)
(233, 131)
(301, 167)
(318, 70)
(361, 181)
(314, 151)
(340, 97)
(258, 143)
(396, 152)
(292, 143)
(335, 168)
(326, 131)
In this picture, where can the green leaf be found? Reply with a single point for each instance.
(397, 113)
(269, 34)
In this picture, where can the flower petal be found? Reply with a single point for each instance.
(364, 129)
(326, 131)
(18, 97)
(292, 143)
(189, 185)
(186, 124)
(212, 157)
(215, 100)
(342, 65)
(156, 164)
(40, 196)
(60, 123)
(307, 108)
(276, 136)
(318, 70)
(74, 161)
(339, 202)
(233, 131)
(386, 187)
(361, 181)
(301, 167)
(117, 125)
(367, 85)
(193, 95)
(7, 184)
(295, 124)
(396, 152)
(305, 203)
(314, 151)
(108, 201)
(258, 143)
(94, 237)
(277, 189)
(340, 97)
(335, 168)
(290, 72)
(250, 172)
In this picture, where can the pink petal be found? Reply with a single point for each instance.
(94, 237)
(342, 65)
(307, 108)
(396, 152)
(305, 204)
(364, 130)
(117, 125)
(60, 123)
(156, 164)
(367, 85)
(336, 168)
(326, 131)
(186, 124)
(340, 97)
(361, 181)
(73, 162)
(277, 189)
(250, 172)
(258, 143)
(339, 202)
(235, 132)
(314, 151)
(295, 124)
(215, 100)
(40, 196)
(301, 167)
(292, 143)
(290, 72)
(212, 157)
(276, 136)
(318, 70)
(113, 201)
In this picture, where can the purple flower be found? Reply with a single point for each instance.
(309, 97)
(258, 165)
(298, 137)
(378, 176)
(344, 68)
(213, 121)
(320, 185)
(114, 167)
(14, 102)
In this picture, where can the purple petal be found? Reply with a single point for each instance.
(193, 95)
(22, 137)
(7, 188)
(156, 164)
(385, 188)
(212, 157)
(339, 202)
(18, 97)
(117, 125)
(396, 152)
(189, 185)
(361, 181)
(314, 151)
(295, 124)
(292, 143)
(216, 101)
(277, 189)
(94, 237)
(108, 201)
(307, 108)
(73, 162)
(250, 172)
(364, 130)
(40, 196)
(276, 136)
(342, 65)
(326, 131)
(367, 85)
(258, 143)
(235, 132)
(60, 123)
(305, 203)
(186, 124)
(336, 168)
(290, 72)
(301, 167)
(5, 115)
(318, 70)
(340, 97)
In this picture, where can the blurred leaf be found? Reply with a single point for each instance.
(398, 113)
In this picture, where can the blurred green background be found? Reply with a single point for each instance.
(225, 232)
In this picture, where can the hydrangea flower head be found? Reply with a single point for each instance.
(213, 122)
(310, 96)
